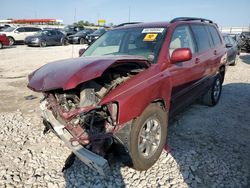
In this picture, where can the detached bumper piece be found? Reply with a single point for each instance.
(91, 159)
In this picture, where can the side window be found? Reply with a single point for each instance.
(201, 37)
(53, 32)
(20, 29)
(232, 41)
(33, 29)
(58, 33)
(215, 35)
(226, 39)
(181, 38)
(28, 29)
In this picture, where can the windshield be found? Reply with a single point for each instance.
(99, 31)
(42, 32)
(81, 32)
(9, 29)
(135, 41)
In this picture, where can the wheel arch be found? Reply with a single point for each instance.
(222, 71)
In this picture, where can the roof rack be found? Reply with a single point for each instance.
(127, 23)
(190, 19)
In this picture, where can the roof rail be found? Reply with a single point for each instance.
(127, 23)
(190, 19)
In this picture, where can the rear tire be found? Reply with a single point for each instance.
(212, 97)
(236, 60)
(12, 41)
(148, 137)
(64, 41)
(1, 45)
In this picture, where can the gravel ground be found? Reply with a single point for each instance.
(208, 147)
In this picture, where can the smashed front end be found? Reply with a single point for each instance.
(78, 117)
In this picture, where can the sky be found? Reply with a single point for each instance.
(225, 13)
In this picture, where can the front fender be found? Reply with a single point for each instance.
(137, 93)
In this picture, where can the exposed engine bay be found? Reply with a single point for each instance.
(90, 124)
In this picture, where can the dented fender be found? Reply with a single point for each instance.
(134, 95)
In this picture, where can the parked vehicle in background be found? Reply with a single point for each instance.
(18, 34)
(121, 92)
(3, 27)
(236, 37)
(233, 49)
(79, 37)
(71, 29)
(245, 41)
(4, 41)
(46, 37)
(95, 35)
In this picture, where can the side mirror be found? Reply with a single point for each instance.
(81, 51)
(16, 31)
(229, 45)
(180, 55)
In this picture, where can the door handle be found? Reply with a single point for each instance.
(197, 60)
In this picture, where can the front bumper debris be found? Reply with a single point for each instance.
(91, 159)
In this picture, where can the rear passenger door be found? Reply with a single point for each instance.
(206, 52)
(185, 76)
(216, 50)
(52, 37)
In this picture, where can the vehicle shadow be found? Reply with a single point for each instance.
(212, 145)
(245, 58)
(207, 147)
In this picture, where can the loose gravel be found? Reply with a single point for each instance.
(208, 147)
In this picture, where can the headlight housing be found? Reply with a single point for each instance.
(34, 39)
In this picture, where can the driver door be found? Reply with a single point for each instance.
(185, 76)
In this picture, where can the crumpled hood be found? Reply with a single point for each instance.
(67, 74)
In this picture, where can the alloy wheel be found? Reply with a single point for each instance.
(149, 137)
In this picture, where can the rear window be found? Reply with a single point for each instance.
(215, 36)
(201, 37)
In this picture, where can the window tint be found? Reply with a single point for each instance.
(21, 29)
(59, 33)
(215, 35)
(35, 29)
(201, 37)
(232, 41)
(226, 39)
(53, 32)
(181, 38)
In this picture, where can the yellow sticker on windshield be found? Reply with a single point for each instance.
(150, 37)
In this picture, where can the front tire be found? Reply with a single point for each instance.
(148, 137)
(43, 43)
(212, 97)
(82, 41)
(12, 41)
(1, 45)
(235, 60)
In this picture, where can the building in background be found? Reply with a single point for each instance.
(37, 22)
(234, 30)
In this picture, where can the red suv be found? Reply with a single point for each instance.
(121, 92)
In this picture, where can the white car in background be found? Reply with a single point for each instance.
(18, 34)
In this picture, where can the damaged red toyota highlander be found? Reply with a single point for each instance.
(119, 95)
